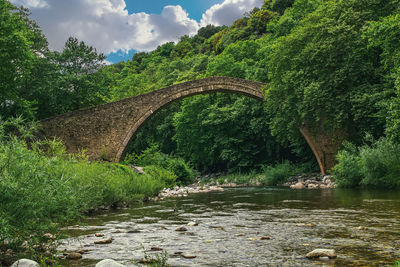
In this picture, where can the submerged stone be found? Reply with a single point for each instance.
(318, 253)
(103, 241)
(25, 263)
(74, 256)
(109, 263)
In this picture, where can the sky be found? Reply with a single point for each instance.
(120, 28)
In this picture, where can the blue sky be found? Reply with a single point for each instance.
(119, 28)
(193, 7)
(195, 11)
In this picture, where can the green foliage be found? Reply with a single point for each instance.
(385, 35)
(221, 131)
(20, 45)
(376, 165)
(169, 168)
(323, 72)
(277, 5)
(167, 176)
(42, 186)
(279, 173)
(347, 172)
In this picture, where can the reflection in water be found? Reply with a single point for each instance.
(231, 224)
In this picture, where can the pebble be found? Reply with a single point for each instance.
(25, 263)
(361, 228)
(103, 241)
(192, 224)
(99, 234)
(108, 263)
(74, 256)
(265, 238)
(156, 249)
(181, 229)
(188, 256)
(49, 236)
(82, 251)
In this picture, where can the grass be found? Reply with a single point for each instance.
(374, 165)
(42, 188)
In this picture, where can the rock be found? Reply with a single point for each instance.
(323, 186)
(265, 238)
(192, 224)
(156, 249)
(74, 256)
(108, 263)
(312, 186)
(181, 229)
(99, 234)
(137, 169)
(25, 263)
(188, 256)
(298, 185)
(146, 261)
(327, 179)
(49, 236)
(317, 253)
(103, 241)
(48, 253)
(361, 228)
(82, 251)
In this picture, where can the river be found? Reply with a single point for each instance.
(231, 224)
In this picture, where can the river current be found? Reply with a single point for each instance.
(249, 226)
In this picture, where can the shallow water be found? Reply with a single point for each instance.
(231, 223)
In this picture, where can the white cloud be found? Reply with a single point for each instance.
(106, 24)
(228, 11)
(31, 3)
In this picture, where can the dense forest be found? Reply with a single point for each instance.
(328, 64)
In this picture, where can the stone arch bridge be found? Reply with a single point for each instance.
(105, 130)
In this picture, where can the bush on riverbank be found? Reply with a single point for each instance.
(43, 187)
(152, 156)
(376, 165)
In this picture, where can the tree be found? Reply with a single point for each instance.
(225, 132)
(19, 48)
(319, 71)
(79, 84)
(385, 34)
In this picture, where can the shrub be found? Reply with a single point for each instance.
(347, 172)
(380, 164)
(279, 173)
(375, 165)
(153, 157)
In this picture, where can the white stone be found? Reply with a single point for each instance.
(108, 263)
(299, 185)
(318, 253)
(25, 263)
(312, 186)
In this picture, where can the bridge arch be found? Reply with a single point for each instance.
(105, 131)
(203, 86)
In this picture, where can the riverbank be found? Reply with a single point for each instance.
(43, 188)
(217, 182)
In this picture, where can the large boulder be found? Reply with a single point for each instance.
(318, 253)
(25, 263)
(109, 263)
(299, 185)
